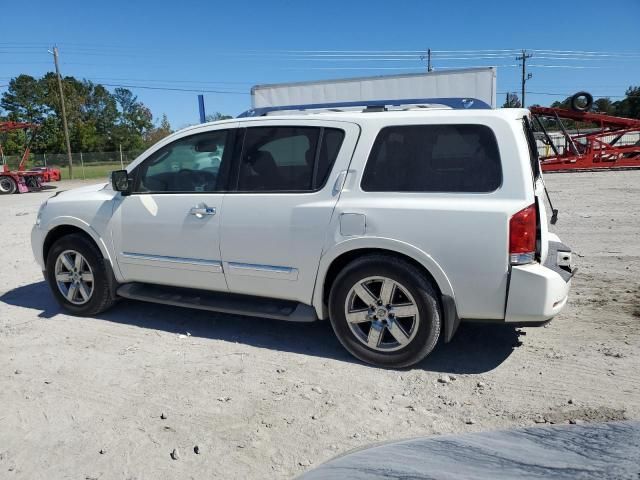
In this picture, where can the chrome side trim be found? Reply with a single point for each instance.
(213, 265)
(264, 271)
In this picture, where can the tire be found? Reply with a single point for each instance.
(577, 106)
(7, 185)
(372, 336)
(98, 289)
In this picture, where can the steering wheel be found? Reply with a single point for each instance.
(196, 179)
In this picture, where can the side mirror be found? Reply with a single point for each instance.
(121, 182)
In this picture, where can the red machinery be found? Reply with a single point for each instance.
(598, 148)
(20, 181)
(49, 174)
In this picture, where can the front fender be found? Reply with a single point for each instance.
(380, 243)
(85, 227)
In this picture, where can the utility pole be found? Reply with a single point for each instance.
(525, 76)
(429, 67)
(64, 111)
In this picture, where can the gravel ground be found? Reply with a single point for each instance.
(85, 398)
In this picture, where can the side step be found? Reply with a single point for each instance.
(219, 302)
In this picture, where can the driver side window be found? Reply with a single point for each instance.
(197, 163)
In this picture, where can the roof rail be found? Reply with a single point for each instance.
(451, 102)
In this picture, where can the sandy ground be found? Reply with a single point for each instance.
(82, 398)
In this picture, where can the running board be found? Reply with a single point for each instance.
(219, 302)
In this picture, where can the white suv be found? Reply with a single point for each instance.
(395, 225)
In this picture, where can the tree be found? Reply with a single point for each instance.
(23, 100)
(630, 105)
(512, 101)
(604, 105)
(217, 116)
(98, 119)
(134, 120)
(154, 135)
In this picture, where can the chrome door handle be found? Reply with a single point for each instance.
(339, 183)
(201, 211)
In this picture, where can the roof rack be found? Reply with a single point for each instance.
(451, 102)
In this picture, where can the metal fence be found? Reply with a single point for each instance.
(85, 164)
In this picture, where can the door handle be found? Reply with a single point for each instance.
(339, 183)
(201, 210)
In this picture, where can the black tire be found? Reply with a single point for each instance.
(577, 106)
(101, 297)
(417, 285)
(7, 185)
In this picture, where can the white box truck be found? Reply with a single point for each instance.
(471, 83)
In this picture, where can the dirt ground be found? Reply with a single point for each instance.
(82, 398)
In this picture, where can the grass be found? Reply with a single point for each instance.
(96, 170)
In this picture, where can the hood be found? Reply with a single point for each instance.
(82, 193)
(80, 190)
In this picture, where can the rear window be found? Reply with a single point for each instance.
(434, 158)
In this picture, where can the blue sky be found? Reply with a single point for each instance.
(229, 46)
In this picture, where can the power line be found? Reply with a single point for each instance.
(198, 90)
(192, 82)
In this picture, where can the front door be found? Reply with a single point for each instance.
(168, 230)
(286, 185)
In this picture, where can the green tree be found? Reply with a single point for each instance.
(98, 119)
(604, 105)
(134, 120)
(630, 106)
(24, 100)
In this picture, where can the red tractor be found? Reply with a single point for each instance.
(21, 180)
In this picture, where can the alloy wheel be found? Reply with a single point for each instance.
(382, 314)
(74, 277)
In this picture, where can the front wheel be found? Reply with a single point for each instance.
(384, 311)
(78, 276)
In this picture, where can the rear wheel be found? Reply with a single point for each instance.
(7, 185)
(384, 311)
(78, 276)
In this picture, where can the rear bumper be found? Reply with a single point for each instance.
(539, 292)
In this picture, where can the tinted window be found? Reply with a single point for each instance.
(433, 158)
(287, 159)
(191, 164)
(331, 143)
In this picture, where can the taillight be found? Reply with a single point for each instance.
(522, 236)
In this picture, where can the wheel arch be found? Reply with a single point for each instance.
(341, 254)
(68, 225)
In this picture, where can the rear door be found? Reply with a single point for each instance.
(287, 182)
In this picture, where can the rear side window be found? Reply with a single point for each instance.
(287, 159)
(434, 158)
